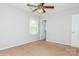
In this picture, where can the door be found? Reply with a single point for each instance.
(43, 29)
(75, 30)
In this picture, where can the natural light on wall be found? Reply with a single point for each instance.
(33, 26)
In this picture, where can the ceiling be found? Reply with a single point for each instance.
(58, 6)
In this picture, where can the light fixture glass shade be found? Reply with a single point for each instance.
(40, 11)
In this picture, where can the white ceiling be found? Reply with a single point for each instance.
(58, 6)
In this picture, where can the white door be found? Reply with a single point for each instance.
(75, 30)
(43, 29)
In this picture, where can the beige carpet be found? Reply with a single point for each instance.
(40, 48)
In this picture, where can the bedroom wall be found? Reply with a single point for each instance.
(59, 26)
(14, 27)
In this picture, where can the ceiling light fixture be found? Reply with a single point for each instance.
(40, 8)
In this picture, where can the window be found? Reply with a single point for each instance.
(33, 26)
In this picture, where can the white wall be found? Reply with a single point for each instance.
(59, 26)
(14, 27)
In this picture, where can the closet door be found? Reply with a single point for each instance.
(75, 30)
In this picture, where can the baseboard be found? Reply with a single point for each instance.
(59, 43)
(17, 45)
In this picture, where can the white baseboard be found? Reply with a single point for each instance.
(59, 42)
(16, 45)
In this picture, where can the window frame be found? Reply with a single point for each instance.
(33, 26)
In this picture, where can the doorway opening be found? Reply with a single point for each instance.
(43, 30)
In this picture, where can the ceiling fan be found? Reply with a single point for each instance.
(40, 8)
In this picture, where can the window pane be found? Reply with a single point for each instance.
(33, 26)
